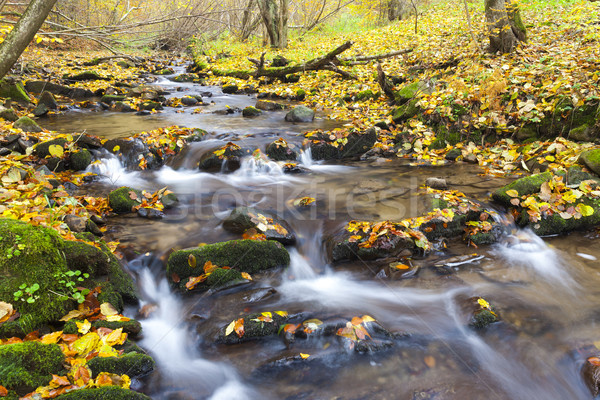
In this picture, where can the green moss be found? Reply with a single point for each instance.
(25, 366)
(26, 124)
(133, 365)
(366, 95)
(150, 106)
(300, 94)
(527, 185)
(120, 200)
(250, 112)
(408, 92)
(243, 255)
(111, 98)
(406, 111)
(221, 277)
(437, 144)
(80, 160)
(84, 76)
(253, 329)
(483, 318)
(14, 90)
(39, 261)
(103, 393)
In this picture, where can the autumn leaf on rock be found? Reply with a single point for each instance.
(237, 326)
(6, 311)
(192, 261)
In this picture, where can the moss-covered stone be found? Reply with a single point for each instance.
(242, 255)
(244, 218)
(583, 133)
(229, 161)
(134, 365)
(591, 159)
(120, 199)
(256, 326)
(405, 111)
(185, 78)
(8, 114)
(527, 185)
(164, 71)
(169, 200)
(230, 89)
(251, 112)
(103, 393)
(358, 143)
(409, 92)
(28, 365)
(84, 76)
(300, 114)
(366, 95)
(112, 98)
(29, 256)
(42, 149)
(150, 106)
(483, 318)
(26, 124)
(80, 160)
(300, 94)
(280, 150)
(14, 90)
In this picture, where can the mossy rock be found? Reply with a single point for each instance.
(185, 78)
(358, 143)
(591, 159)
(243, 218)
(251, 112)
(26, 124)
(14, 90)
(80, 160)
(583, 133)
(527, 185)
(164, 71)
(229, 161)
(120, 199)
(103, 393)
(254, 329)
(112, 98)
(300, 94)
(134, 365)
(406, 111)
(409, 92)
(243, 255)
(197, 135)
(84, 76)
(300, 114)
(280, 150)
(169, 200)
(554, 224)
(150, 106)
(28, 365)
(8, 114)
(482, 319)
(230, 89)
(132, 327)
(367, 95)
(39, 261)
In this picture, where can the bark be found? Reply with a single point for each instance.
(275, 17)
(385, 84)
(23, 32)
(505, 27)
(395, 9)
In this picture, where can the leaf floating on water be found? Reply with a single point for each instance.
(400, 266)
(304, 356)
(429, 361)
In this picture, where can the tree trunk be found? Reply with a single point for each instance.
(275, 16)
(395, 9)
(505, 27)
(23, 32)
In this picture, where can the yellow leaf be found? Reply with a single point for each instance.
(483, 303)
(107, 309)
(83, 327)
(192, 261)
(512, 193)
(246, 275)
(86, 343)
(107, 351)
(114, 338)
(51, 337)
(229, 329)
(282, 313)
(116, 148)
(39, 40)
(56, 150)
(585, 210)
(304, 356)
(367, 318)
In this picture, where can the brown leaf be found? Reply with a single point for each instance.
(429, 361)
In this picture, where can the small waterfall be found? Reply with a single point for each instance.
(110, 168)
(305, 157)
(253, 167)
(167, 338)
(525, 249)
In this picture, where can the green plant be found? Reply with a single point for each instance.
(69, 280)
(27, 293)
(15, 250)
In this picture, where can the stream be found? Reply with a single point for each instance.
(545, 289)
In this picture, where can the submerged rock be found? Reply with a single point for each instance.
(251, 112)
(255, 326)
(242, 219)
(248, 256)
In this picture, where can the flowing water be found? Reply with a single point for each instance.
(544, 289)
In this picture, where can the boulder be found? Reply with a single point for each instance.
(47, 99)
(243, 218)
(250, 112)
(80, 160)
(230, 89)
(123, 199)
(67, 91)
(129, 151)
(112, 98)
(28, 365)
(300, 114)
(8, 114)
(26, 124)
(226, 159)
(42, 149)
(256, 326)
(248, 256)
(38, 258)
(280, 150)
(325, 148)
(591, 159)
(189, 101)
(266, 105)
(14, 90)
(134, 365)
(84, 76)
(527, 185)
(103, 393)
